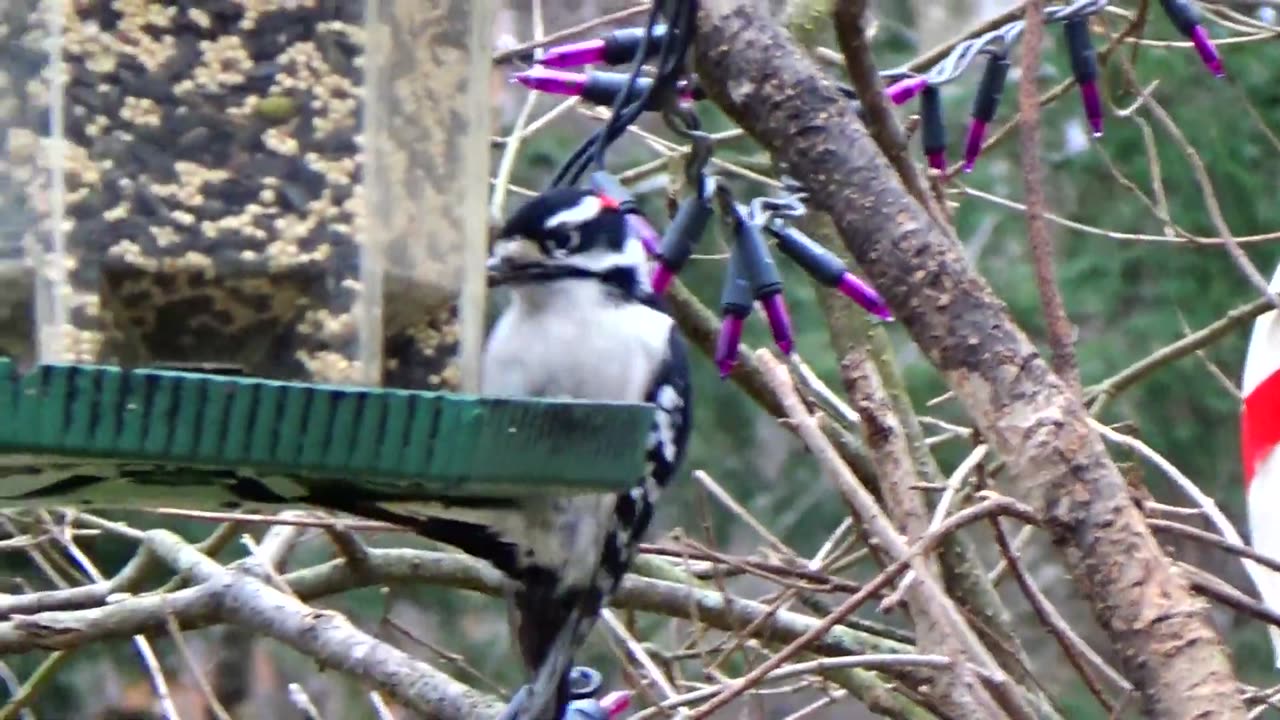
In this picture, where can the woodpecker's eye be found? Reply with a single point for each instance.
(562, 243)
(567, 221)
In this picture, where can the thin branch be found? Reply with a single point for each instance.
(850, 18)
(38, 680)
(638, 652)
(1076, 650)
(298, 696)
(193, 665)
(1238, 549)
(326, 636)
(872, 662)
(1201, 338)
(1207, 193)
(1184, 483)
(512, 53)
(145, 652)
(1062, 334)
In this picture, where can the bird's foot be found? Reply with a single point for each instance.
(584, 684)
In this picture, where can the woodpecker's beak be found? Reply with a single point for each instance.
(511, 258)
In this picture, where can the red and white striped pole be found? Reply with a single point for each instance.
(1260, 451)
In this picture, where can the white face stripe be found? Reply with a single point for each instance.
(585, 211)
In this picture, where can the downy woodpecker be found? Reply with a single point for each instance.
(583, 323)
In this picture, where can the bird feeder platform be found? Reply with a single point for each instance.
(106, 436)
(294, 190)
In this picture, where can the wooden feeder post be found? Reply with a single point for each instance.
(255, 237)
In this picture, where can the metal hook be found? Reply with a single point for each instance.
(765, 209)
(684, 122)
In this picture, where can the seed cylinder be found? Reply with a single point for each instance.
(291, 189)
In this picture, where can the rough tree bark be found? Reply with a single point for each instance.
(1168, 648)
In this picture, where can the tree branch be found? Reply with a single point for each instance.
(194, 607)
(1170, 650)
(1062, 334)
(1197, 340)
(905, 504)
(232, 595)
(966, 578)
(850, 23)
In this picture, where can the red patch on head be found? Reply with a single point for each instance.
(607, 202)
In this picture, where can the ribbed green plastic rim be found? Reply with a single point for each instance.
(67, 428)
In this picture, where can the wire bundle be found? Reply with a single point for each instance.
(671, 46)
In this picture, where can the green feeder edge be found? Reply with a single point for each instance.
(106, 436)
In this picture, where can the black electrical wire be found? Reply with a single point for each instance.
(670, 62)
(681, 21)
(574, 167)
(621, 111)
(664, 81)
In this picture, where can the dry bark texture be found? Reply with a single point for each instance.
(1168, 648)
(906, 507)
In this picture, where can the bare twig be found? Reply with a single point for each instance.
(324, 635)
(882, 529)
(34, 684)
(875, 662)
(1202, 338)
(145, 652)
(638, 652)
(1077, 651)
(512, 53)
(1208, 194)
(298, 696)
(202, 680)
(1062, 334)
(1184, 483)
(850, 23)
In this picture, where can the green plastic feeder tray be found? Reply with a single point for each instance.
(97, 435)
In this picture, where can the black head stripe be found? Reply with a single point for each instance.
(566, 221)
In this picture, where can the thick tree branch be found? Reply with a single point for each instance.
(325, 635)
(1161, 631)
(965, 576)
(233, 595)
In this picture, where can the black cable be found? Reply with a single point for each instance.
(571, 171)
(676, 42)
(620, 102)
